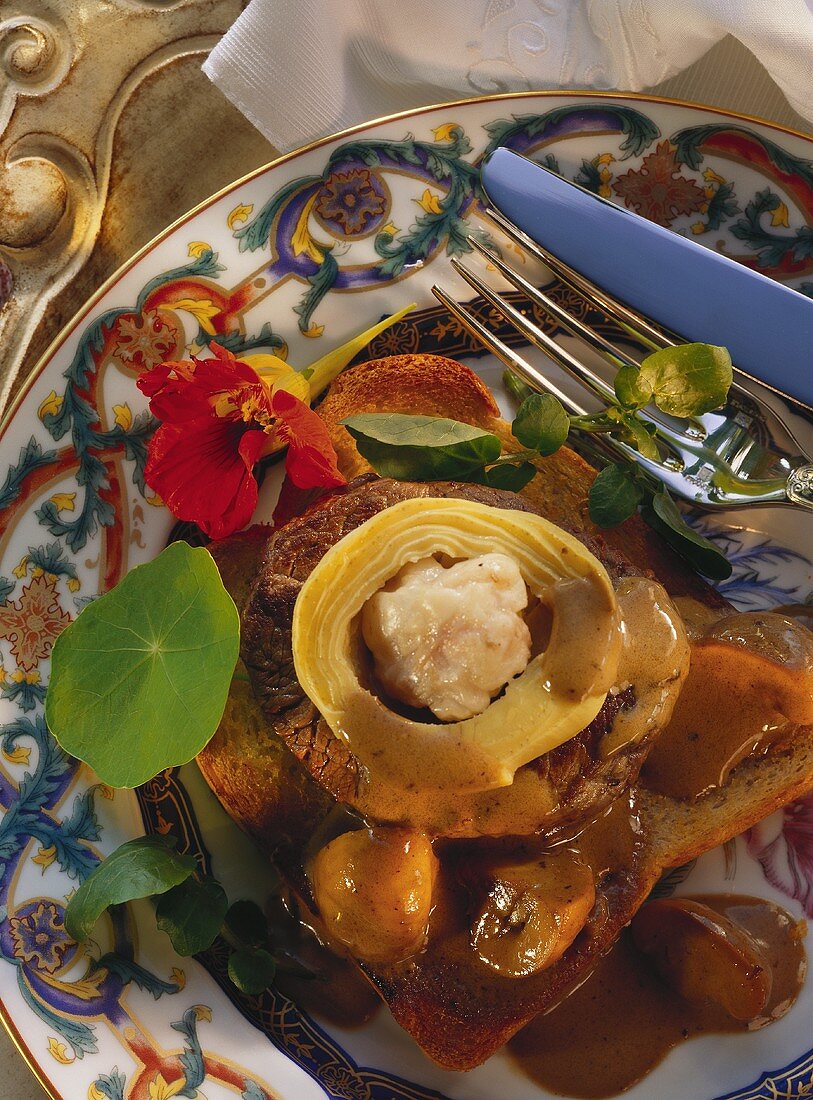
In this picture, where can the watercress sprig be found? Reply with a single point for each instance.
(192, 909)
(684, 381)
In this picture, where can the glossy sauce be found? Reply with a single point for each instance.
(619, 1025)
(749, 685)
(317, 979)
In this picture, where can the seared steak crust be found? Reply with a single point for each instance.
(583, 781)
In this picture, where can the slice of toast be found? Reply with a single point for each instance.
(456, 1009)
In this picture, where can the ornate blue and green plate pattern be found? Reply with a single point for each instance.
(293, 260)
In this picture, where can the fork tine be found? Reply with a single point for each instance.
(668, 435)
(534, 378)
(537, 336)
(615, 354)
(612, 448)
(642, 328)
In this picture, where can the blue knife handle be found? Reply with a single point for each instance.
(690, 289)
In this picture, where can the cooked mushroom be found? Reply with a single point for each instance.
(532, 913)
(704, 955)
(373, 889)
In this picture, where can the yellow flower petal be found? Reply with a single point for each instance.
(74, 584)
(241, 213)
(390, 229)
(202, 1012)
(195, 348)
(324, 370)
(698, 228)
(178, 976)
(279, 374)
(19, 755)
(50, 406)
(21, 569)
(94, 1094)
(780, 216)
(429, 202)
(65, 502)
(202, 309)
(124, 416)
(59, 1051)
(155, 501)
(711, 176)
(605, 158)
(314, 331)
(44, 857)
(445, 132)
(197, 248)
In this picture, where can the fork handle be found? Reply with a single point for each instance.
(800, 486)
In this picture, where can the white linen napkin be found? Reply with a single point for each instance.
(301, 69)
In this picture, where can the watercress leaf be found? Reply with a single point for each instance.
(140, 679)
(662, 514)
(614, 496)
(541, 423)
(689, 379)
(421, 448)
(139, 868)
(518, 389)
(629, 389)
(252, 969)
(508, 476)
(640, 436)
(192, 914)
(246, 924)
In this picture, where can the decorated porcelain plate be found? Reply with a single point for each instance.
(293, 260)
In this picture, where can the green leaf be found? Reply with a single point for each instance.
(689, 379)
(541, 423)
(640, 435)
(614, 496)
(192, 914)
(628, 388)
(664, 516)
(137, 869)
(246, 923)
(421, 448)
(508, 476)
(140, 679)
(252, 969)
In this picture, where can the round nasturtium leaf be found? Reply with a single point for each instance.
(139, 680)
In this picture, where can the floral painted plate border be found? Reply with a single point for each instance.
(339, 234)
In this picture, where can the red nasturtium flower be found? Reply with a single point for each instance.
(219, 417)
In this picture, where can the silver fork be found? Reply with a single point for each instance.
(726, 459)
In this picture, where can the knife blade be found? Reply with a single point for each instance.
(684, 286)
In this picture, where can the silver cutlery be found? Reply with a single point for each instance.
(742, 455)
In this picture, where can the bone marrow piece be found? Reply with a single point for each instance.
(449, 637)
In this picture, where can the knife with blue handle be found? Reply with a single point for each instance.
(685, 287)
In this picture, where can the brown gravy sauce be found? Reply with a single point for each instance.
(750, 684)
(625, 1018)
(316, 978)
